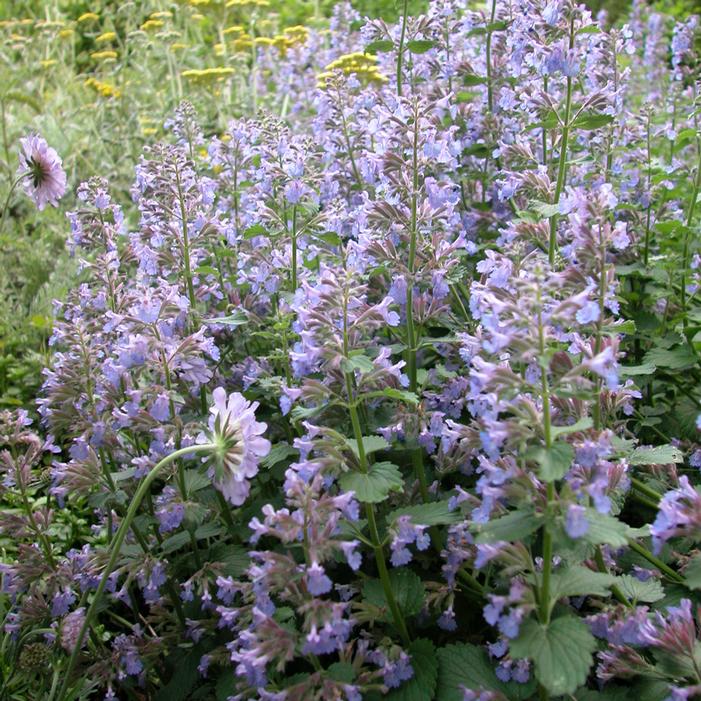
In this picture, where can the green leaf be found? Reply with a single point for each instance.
(469, 666)
(373, 486)
(581, 425)
(633, 370)
(516, 525)
(371, 444)
(592, 121)
(464, 96)
(401, 395)
(196, 480)
(636, 590)
(422, 684)
(182, 538)
(255, 230)
(237, 319)
(24, 99)
(580, 581)
(361, 363)
(561, 651)
(605, 530)
(420, 46)
(545, 209)
(676, 358)
(435, 513)
(554, 461)
(226, 685)
(343, 672)
(379, 46)
(278, 453)
(408, 589)
(657, 455)
(470, 79)
(185, 675)
(234, 559)
(692, 573)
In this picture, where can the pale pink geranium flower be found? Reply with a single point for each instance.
(240, 446)
(41, 170)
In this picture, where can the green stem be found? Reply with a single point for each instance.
(488, 58)
(115, 551)
(186, 244)
(665, 569)
(294, 249)
(615, 590)
(562, 161)
(646, 255)
(400, 53)
(377, 545)
(550, 488)
(6, 206)
(687, 237)
(644, 489)
(412, 341)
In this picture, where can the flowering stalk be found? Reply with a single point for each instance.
(687, 240)
(562, 161)
(488, 58)
(186, 242)
(412, 340)
(550, 488)
(400, 52)
(115, 548)
(294, 249)
(648, 215)
(377, 544)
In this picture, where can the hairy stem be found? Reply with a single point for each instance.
(115, 551)
(562, 161)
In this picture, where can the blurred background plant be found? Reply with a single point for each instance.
(98, 80)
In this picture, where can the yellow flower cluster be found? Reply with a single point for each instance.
(104, 89)
(105, 37)
(240, 40)
(208, 75)
(248, 3)
(88, 17)
(362, 65)
(152, 24)
(106, 55)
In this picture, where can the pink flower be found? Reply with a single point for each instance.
(40, 167)
(240, 445)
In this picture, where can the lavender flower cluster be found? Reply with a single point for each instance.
(359, 397)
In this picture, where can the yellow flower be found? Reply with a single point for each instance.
(234, 29)
(48, 62)
(104, 89)
(88, 16)
(208, 75)
(178, 46)
(161, 15)
(263, 41)
(103, 55)
(152, 24)
(107, 36)
(245, 42)
(149, 131)
(65, 33)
